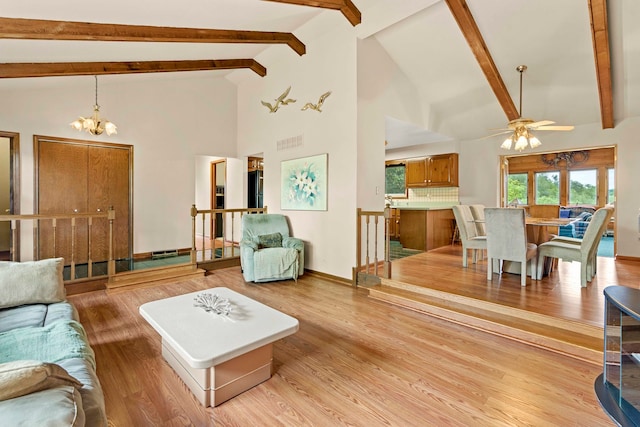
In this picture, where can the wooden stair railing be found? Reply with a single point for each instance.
(207, 255)
(362, 273)
(36, 220)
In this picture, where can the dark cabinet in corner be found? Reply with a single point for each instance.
(433, 171)
(426, 229)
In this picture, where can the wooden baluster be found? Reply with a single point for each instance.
(73, 248)
(375, 247)
(387, 244)
(53, 224)
(233, 246)
(89, 261)
(14, 241)
(367, 245)
(194, 213)
(111, 263)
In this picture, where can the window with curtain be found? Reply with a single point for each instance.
(547, 188)
(583, 188)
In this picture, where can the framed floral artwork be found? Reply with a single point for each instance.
(304, 183)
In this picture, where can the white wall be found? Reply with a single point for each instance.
(329, 64)
(169, 121)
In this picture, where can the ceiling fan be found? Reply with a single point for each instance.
(521, 129)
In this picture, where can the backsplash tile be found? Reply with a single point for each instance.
(436, 194)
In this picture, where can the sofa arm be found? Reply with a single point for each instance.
(292, 242)
(297, 244)
(249, 243)
(566, 230)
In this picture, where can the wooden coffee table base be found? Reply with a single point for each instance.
(219, 383)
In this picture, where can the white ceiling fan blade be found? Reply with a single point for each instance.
(555, 128)
(496, 134)
(540, 123)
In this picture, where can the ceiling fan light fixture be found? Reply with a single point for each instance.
(533, 141)
(521, 143)
(507, 143)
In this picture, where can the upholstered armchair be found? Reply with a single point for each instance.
(267, 252)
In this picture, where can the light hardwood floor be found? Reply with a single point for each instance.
(355, 361)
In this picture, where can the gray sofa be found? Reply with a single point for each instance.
(47, 368)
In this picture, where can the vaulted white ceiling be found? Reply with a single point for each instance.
(553, 38)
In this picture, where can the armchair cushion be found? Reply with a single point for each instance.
(273, 240)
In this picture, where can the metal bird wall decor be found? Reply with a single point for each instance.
(318, 106)
(281, 100)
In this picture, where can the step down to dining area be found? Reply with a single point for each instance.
(568, 337)
(153, 276)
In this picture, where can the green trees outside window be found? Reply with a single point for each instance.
(517, 188)
(395, 180)
(583, 187)
(547, 188)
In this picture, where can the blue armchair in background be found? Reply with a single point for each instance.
(267, 252)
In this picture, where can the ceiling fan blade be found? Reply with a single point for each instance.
(496, 134)
(555, 128)
(540, 123)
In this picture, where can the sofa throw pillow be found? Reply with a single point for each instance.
(273, 240)
(31, 282)
(28, 376)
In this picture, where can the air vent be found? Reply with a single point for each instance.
(289, 143)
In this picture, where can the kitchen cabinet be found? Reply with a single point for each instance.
(426, 229)
(394, 223)
(433, 171)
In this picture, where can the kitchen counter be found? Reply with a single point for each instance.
(426, 227)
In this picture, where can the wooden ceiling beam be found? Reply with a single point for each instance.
(348, 9)
(474, 38)
(602, 56)
(54, 69)
(38, 29)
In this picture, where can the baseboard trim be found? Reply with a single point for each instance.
(330, 277)
(627, 258)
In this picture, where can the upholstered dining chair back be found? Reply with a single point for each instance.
(478, 215)
(583, 251)
(468, 233)
(507, 240)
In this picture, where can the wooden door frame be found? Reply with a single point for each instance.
(14, 186)
(36, 191)
(212, 180)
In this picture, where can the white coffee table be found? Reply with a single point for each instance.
(218, 356)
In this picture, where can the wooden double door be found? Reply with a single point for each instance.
(83, 177)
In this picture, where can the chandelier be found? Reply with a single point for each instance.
(94, 124)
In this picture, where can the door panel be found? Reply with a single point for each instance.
(62, 189)
(74, 176)
(108, 186)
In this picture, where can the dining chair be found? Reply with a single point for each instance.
(468, 233)
(584, 251)
(507, 241)
(478, 215)
(578, 241)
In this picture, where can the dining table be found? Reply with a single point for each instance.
(539, 230)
